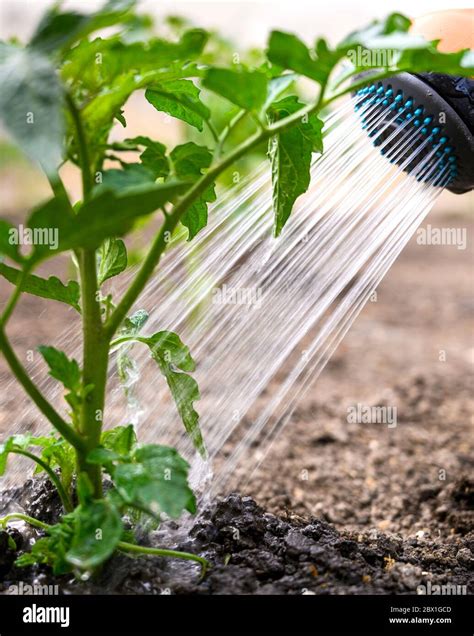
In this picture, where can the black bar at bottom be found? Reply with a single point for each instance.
(450, 615)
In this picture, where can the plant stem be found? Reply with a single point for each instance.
(14, 298)
(227, 130)
(66, 500)
(44, 406)
(95, 341)
(94, 373)
(82, 147)
(212, 130)
(31, 520)
(188, 556)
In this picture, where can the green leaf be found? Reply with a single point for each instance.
(134, 323)
(277, 86)
(61, 29)
(113, 259)
(172, 355)
(379, 33)
(132, 175)
(98, 529)
(121, 439)
(247, 89)
(57, 29)
(51, 288)
(405, 51)
(62, 368)
(107, 214)
(179, 99)
(9, 245)
(58, 453)
(51, 550)
(15, 441)
(290, 154)
(31, 105)
(289, 52)
(189, 161)
(126, 68)
(126, 365)
(154, 157)
(156, 481)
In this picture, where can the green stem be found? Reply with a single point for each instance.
(95, 359)
(212, 130)
(14, 298)
(227, 131)
(31, 520)
(176, 554)
(66, 501)
(87, 182)
(95, 342)
(44, 406)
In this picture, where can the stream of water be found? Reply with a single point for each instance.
(262, 316)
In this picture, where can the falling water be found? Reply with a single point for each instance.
(262, 316)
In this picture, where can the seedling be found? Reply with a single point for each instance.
(61, 95)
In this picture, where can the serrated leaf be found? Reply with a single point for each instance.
(31, 105)
(247, 89)
(289, 52)
(51, 550)
(156, 481)
(134, 323)
(121, 439)
(15, 441)
(189, 161)
(154, 157)
(172, 355)
(112, 259)
(60, 29)
(131, 176)
(51, 288)
(58, 453)
(179, 99)
(107, 214)
(62, 368)
(290, 154)
(97, 531)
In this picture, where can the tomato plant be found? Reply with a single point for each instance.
(61, 95)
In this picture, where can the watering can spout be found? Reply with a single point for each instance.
(440, 106)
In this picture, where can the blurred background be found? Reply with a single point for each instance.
(242, 24)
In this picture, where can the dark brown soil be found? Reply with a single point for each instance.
(256, 552)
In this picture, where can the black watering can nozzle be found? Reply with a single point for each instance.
(435, 111)
(438, 111)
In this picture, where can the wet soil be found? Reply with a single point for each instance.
(256, 552)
